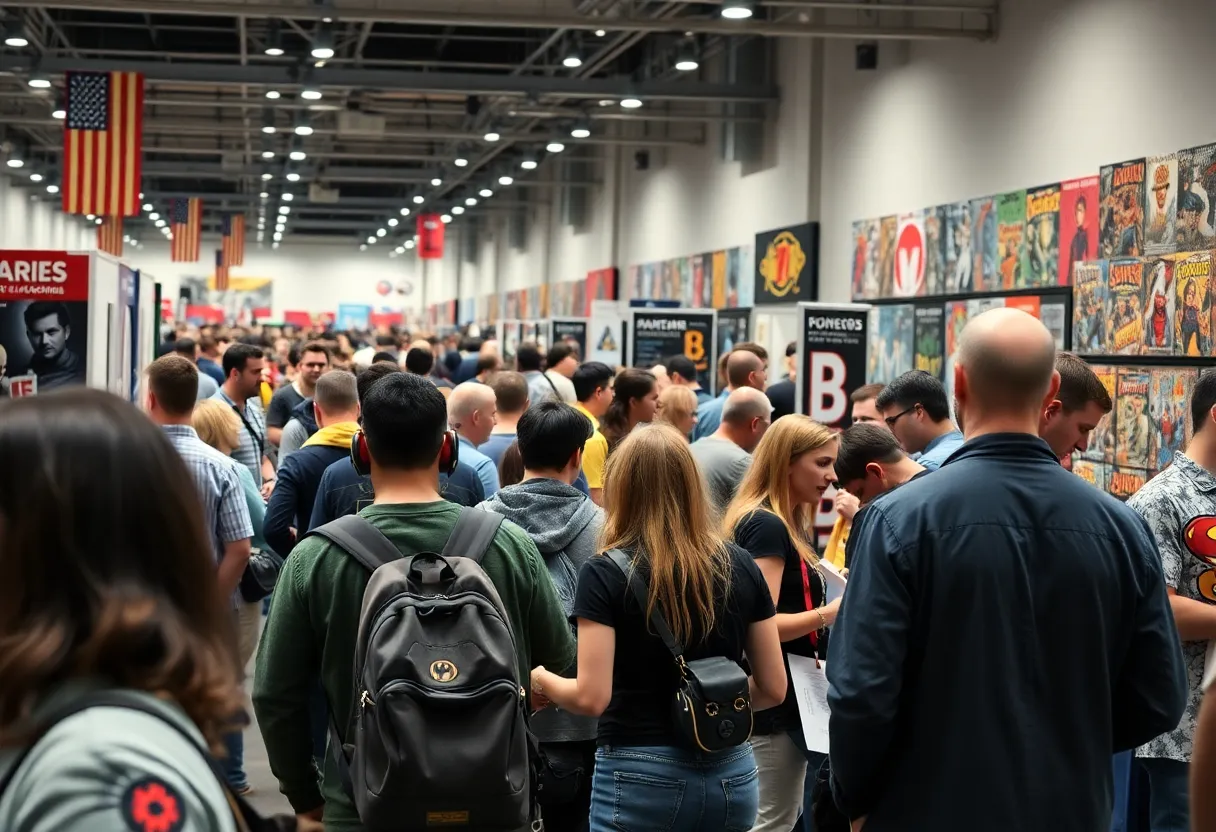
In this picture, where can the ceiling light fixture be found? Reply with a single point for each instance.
(15, 160)
(581, 129)
(737, 9)
(278, 235)
(419, 199)
(528, 162)
(371, 241)
(599, 33)
(405, 212)
(288, 197)
(267, 176)
(303, 128)
(274, 40)
(446, 218)
(147, 206)
(436, 182)
(52, 188)
(284, 209)
(274, 95)
(267, 154)
(471, 201)
(61, 111)
(323, 42)
(409, 243)
(400, 249)
(14, 35)
(269, 129)
(275, 245)
(35, 177)
(159, 223)
(380, 232)
(555, 147)
(265, 194)
(686, 55)
(393, 222)
(154, 216)
(631, 102)
(311, 91)
(90, 217)
(39, 81)
(293, 177)
(486, 192)
(298, 156)
(506, 180)
(492, 135)
(572, 58)
(461, 162)
(458, 210)
(362, 246)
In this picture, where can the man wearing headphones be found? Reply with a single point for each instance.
(314, 620)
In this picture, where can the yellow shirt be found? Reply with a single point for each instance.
(833, 553)
(595, 453)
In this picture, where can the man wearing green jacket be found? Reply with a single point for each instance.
(314, 617)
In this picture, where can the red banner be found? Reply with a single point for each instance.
(601, 285)
(430, 237)
(199, 314)
(43, 275)
(386, 319)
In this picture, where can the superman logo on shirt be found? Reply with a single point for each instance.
(1199, 536)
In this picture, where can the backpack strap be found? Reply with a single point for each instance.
(637, 584)
(359, 539)
(473, 533)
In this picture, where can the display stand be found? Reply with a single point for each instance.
(573, 330)
(509, 333)
(657, 334)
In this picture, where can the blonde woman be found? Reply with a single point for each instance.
(678, 408)
(716, 603)
(770, 517)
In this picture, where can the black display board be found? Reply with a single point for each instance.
(787, 264)
(572, 330)
(734, 327)
(658, 334)
(929, 340)
(831, 359)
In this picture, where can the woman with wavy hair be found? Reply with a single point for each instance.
(677, 407)
(635, 396)
(771, 518)
(712, 596)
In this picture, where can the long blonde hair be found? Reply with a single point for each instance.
(217, 424)
(675, 405)
(658, 510)
(766, 486)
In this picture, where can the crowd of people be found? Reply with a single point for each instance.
(548, 593)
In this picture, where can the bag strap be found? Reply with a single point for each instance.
(359, 539)
(641, 593)
(472, 535)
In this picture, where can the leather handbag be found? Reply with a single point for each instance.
(260, 575)
(712, 710)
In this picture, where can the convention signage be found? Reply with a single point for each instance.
(787, 264)
(658, 334)
(831, 359)
(572, 331)
(606, 328)
(44, 318)
(734, 327)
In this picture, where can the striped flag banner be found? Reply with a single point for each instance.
(109, 236)
(186, 225)
(221, 271)
(233, 239)
(103, 143)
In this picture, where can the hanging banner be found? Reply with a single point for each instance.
(605, 343)
(831, 359)
(600, 285)
(573, 331)
(929, 350)
(734, 327)
(354, 315)
(430, 237)
(44, 314)
(658, 334)
(787, 264)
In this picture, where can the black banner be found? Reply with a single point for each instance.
(572, 330)
(831, 360)
(787, 264)
(734, 327)
(658, 334)
(929, 341)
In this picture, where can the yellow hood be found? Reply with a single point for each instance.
(334, 436)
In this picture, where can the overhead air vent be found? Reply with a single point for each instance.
(322, 194)
(353, 124)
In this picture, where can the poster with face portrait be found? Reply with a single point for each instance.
(44, 306)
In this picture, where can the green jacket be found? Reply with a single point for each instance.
(313, 627)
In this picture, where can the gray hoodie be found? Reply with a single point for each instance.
(565, 525)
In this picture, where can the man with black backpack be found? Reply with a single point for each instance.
(423, 620)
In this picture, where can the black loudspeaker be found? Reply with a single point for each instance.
(867, 55)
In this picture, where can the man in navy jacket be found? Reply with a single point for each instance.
(1005, 629)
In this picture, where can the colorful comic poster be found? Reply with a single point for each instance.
(1195, 225)
(1169, 413)
(1078, 224)
(1011, 240)
(891, 350)
(888, 228)
(1090, 306)
(684, 276)
(1041, 254)
(1125, 327)
(732, 278)
(910, 255)
(1126, 481)
(1122, 220)
(1193, 310)
(719, 297)
(1096, 474)
(1054, 316)
(1161, 204)
(1134, 435)
(959, 258)
(706, 300)
(698, 280)
(985, 248)
(929, 325)
(865, 259)
(1159, 303)
(1101, 447)
(935, 250)
(957, 315)
(747, 268)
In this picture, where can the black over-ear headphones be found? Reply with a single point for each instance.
(449, 453)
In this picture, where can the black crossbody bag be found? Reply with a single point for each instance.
(712, 710)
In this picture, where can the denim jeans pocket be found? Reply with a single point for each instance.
(645, 803)
(742, 800)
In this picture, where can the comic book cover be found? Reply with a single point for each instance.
(1078, 239)
(1134, 435)
(1041, 253)
(1161, 204)
(1195, 224)
(1126, 481)
(957, 314)
(888, 227)
(935, 250)
(1010, 240)
(865, 259)
(959, 259)
(1159, 303)
(903, 330)
(1096, 474)
(1090, 306)
(910, 255)
(1054, 316)
(1106, 211)
(1125, 326)
(875, 338)
(1193, 308)
(1122, 229)
(1169, 413)
(891, 348)
(929, 325)
(1101, 447)
(985, 268)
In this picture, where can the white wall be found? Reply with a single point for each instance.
(1068, 86)
(38, 223)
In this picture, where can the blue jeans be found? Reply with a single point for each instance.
(1167, 801)
(814, 760)
(668, 789)
(234, 760)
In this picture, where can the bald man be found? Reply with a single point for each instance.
(472, 413)
(744, 368)
(725, 456)
(1006, 626)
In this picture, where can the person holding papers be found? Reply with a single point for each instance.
(791, 469)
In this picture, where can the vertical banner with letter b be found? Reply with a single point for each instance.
(831, 359)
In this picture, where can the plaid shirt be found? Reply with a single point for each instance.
(225, 512)
(252, 446)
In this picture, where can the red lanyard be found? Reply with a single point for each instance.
(810, 602)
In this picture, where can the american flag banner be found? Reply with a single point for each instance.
(109, 236)
(233, 240)
(221, 271)
(186, 224)
(103, 143)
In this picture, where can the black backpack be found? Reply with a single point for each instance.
(438, 736)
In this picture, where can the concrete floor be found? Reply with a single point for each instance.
(266, 797)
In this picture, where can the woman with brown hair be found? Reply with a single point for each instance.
(771, 517)
(678, 407)
(116, 649)
(635, 395)
(712, 598)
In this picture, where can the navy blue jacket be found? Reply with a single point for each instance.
(206, 365)
(1004, 632)
(466, 370)
(307, 416)
(295, 492)
(343, 491)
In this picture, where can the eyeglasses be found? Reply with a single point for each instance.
(891, 420)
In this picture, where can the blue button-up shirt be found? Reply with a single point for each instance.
(939, 449)
(252, 436)
(486, 470)
(225, 513)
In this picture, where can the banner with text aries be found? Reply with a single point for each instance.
(831, 359)
(44, 315)
(658, 334)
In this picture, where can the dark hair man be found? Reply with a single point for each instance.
(48, 327)
(992, 549)
(187, 348)
(467, 370)
(593, 386)
(313, 363)
(1179, 504)
(870, 462)
(782, 393)
(864, 409)
(487, 365)
(314, 620)
(726, 454)
(914, 408)
(420, 361)
(565, 525)
(562, 361)
(511, 392)
(209, 358)
(243, 368)
(344, 491)
(683, 373)
(744, 368)
(1076, 410)
(335, 404)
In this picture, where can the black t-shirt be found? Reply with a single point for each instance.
(763, 535)
(282, 403)
(644, 675)
(781, 397)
